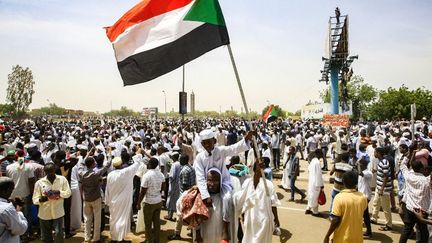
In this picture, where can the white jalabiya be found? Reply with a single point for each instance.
(140, 227)
(76, 201)
(118, 197)
(257, 209)
(204, 161)
(314, 185)
(234, 222)
(285, 179)
(212, 229)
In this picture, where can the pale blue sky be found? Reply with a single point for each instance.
(277, 44)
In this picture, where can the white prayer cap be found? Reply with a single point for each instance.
(117, 161)
(405, 134)
(174, 153)
(176, 148)
(100, 147)
(312, 133)
(82, 147)
(404, 141)
(213, 129)
(206, 134)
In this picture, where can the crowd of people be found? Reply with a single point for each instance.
(213, 176)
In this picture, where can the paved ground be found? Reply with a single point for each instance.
(295, 225)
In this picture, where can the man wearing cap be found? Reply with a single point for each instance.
(118, 195)
(215, 156)
(6, 161)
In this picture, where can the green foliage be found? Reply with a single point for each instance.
(396, 103)
(123, 112)
(6, 110)
(20, 89)
(52, 110)
(361, 94)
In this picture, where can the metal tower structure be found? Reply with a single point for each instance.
(337, 63)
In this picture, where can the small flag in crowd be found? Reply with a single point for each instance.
(271, 114)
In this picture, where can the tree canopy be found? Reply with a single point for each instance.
(370, 103)
(396, 103)
(20, 89)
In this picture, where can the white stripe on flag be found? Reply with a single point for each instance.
(154, 32)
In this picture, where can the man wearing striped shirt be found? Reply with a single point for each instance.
(382, 190)
(417, 197)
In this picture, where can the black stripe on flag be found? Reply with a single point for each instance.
(150, 64)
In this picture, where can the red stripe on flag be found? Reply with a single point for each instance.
(267, 114)
(144, 10)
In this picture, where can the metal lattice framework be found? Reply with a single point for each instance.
(338, 62)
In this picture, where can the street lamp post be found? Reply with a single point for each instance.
(163, 91)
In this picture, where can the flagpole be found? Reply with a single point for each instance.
(183, 88)
(247, 115)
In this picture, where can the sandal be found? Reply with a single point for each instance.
(385, 228)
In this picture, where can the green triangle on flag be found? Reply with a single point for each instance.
(208, 11)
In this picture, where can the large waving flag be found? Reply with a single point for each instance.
(158, 36)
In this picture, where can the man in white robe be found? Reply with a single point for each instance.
(214, 157)
(315, 183)
(118, 196)
(258, 208)
(216, 228)
(76, 200)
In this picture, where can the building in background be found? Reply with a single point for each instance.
(192, 103)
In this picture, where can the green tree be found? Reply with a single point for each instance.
(20, 89)
(396, 103)
(6, 109)
(361, 94)
(123, 112)
(52, 109)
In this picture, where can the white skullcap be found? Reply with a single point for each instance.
(116, 162)
(176, 148)
(405, 134)
(404, 141)
(206, 134)
(100, 147)
(82, 147)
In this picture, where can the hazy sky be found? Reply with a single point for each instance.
(277, 45)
